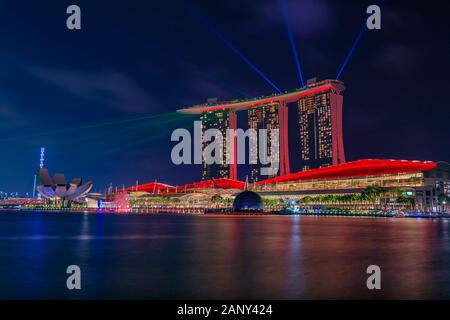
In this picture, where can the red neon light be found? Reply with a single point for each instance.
(357, 168)
(233, 164)
(284, 143)
(221, 183)
(336, 127)
(152, 187)
(288, 97)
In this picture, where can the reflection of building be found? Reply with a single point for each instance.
(57, 189)
(221, 120)
(320, 123)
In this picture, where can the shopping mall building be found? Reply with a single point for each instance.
(428, 183)
(317, 109)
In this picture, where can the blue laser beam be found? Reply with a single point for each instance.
(196, 70)
(172, 57)
(350, 53)
(227, 42)
(287, 25)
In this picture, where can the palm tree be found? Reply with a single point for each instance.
(372, 193)
(217, 199)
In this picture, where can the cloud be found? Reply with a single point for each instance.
(8, 112)
(11, 117)
(308, 18)
(396, 58)
(400, 18)
(111, 87)
(213, 90)
(211, 79)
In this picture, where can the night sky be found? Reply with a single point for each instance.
(102, 99)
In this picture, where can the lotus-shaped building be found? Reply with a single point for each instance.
(57, 188)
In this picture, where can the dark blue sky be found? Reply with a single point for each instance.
(135, 59)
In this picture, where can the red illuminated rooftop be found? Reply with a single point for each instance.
(237, 105)
(359, 168)
(152, 187)
(221, 183)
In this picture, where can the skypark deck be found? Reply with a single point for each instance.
(244, 104)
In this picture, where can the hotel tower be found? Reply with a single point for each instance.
(318, 107)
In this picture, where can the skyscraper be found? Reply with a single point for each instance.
(221, 120)
(41, 165)
(320, 136)
(320, 123)
(262, 117)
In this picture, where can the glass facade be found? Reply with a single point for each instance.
(414, 179)
(215, 120)
(320, 130)
(263, 117)
(315, 131)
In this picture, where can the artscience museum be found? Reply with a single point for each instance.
(58, 190)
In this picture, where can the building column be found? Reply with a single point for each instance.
(336, 125)
(233, 160)
(284, 142)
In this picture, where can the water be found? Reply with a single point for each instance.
(219, 257)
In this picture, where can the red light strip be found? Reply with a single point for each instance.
(288, 97)
(346, 170)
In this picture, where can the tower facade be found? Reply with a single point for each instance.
(320, 124)
(320, 136)
(41, 165)
(221, 120)
(262, 117)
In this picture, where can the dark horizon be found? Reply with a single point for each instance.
(80, 93)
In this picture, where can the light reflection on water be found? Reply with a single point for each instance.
(222, 257)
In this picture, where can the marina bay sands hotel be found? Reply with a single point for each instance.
(318, 111)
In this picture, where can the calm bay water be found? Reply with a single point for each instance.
(219, 257)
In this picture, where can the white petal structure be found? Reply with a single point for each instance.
(57, 188)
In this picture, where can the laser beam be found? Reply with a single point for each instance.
(227, 85)
(151, 137)
(350, 53)
(226, 41)
(128, 132)
(170, 57)
(156, 117)
(287, 25)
